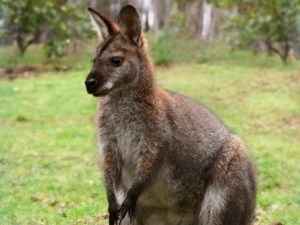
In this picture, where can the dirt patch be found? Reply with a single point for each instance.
(293, 80)
(27, 71)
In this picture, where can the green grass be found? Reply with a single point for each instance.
(48, 163)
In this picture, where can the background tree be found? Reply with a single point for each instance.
(25, 22)
(272, 25)
(273, 22)
(69, 23)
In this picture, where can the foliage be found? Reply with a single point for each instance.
(69, 24)
(26, 21)
(178, 22)
(161, 48)
(23, 21)
(273, 22)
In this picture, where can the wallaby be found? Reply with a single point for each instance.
(166, 159)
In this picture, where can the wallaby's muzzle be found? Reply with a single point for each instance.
(95, 86)
(91, 85)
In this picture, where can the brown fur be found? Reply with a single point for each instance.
(166, 159)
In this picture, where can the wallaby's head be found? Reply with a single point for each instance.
(121, 56)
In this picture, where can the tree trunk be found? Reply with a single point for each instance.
(147, 25)
(282, 52)
(211, 22)
(21, 45)
(215, 23)
(162, 12)
(194, 12)
(286, 51)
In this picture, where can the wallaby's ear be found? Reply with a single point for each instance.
(102, 25)
(130, 23)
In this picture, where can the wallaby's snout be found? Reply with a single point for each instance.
(90, 84)
(96, 86)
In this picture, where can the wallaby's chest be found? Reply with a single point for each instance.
(128, 141)
(123, 127)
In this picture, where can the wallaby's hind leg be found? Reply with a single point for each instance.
(230, 198)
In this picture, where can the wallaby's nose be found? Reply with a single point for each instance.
(90, 83)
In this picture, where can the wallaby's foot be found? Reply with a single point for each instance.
(113, 215)
(128, 206)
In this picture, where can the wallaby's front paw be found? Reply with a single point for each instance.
(128, 206)
(113, 215)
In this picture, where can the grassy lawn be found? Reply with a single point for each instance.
(48, 159)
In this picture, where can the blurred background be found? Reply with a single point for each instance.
(241, 58)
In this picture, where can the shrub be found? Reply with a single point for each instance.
(161, 49)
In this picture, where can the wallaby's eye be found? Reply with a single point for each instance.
(116, 61)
